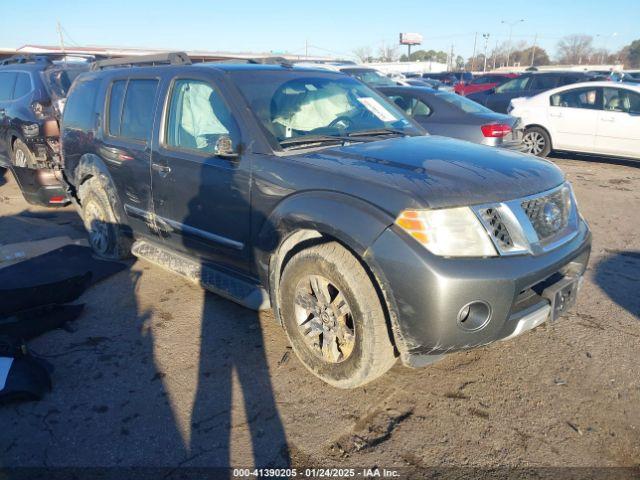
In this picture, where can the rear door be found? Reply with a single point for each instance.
(126, 145)
(618, 131)
(201, 195)
(573, 118)
(7, 81)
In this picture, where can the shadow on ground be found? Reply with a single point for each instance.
(618, 275)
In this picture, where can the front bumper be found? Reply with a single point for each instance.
(425, 293)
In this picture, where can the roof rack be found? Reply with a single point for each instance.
(171, 58)
(46, 58)
(259, 61)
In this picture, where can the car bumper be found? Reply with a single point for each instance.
(40, 186)
(425, 293)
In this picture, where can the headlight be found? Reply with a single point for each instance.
(449, 232)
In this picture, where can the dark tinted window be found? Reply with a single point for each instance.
(7, 81)
(79, 109)
(621, 100)
(116, 96)
(137, 110)
(23, 85)
(412, 106)
(545, 82)
(570, 80)
(516, 85)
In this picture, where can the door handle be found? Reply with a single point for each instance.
(607, 119)
(556, 114)
(163, 170)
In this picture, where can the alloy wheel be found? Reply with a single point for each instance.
(534, 142)
(324, 319)
(97, 227)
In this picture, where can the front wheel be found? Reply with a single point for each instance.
(537, 141)
(333, 317)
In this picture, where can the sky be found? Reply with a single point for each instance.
(328, 27)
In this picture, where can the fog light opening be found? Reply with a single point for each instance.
(474, 316)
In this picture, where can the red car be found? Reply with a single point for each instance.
(483, 82)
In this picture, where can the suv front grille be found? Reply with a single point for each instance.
(496, 228)
(549, 214)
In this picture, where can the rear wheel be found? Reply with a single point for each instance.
(106, 235)
(537, 141)
(333, 316)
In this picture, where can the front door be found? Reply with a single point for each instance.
(619, 123)
(200, 183)
(573, 118)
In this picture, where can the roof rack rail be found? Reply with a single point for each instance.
(171, 58)
(259, 61)
(26, 58)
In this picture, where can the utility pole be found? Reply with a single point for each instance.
(59, 28)
(473, 57)
(495, 54)
(533, 52)
(486, 43)
(451, 59)
(511, 25)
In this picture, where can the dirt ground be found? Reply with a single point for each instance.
(157, 373)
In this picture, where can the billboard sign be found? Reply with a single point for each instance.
(410, 39)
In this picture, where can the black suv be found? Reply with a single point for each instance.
(32, 94)
(307, 191)
(527, 85)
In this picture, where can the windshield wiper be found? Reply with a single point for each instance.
(377, 131)
(312, 139)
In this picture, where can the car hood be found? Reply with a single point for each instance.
(442, 172)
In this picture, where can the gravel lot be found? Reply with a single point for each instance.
(158, 373)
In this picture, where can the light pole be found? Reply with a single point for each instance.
(511, 25)
(486, 43)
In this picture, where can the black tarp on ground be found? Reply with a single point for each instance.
(56, 277)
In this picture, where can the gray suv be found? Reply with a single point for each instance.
(308, 192)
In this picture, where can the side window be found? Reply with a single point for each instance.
(515, 85)
(621, 100)
(577, 98)
(114, 112)
(198, 119)
(411, 106)
(79, 110)
(7, 81)
(138, 109)
(22, 86)
(544, 82)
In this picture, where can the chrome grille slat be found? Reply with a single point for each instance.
(536, 210)
(497, 228)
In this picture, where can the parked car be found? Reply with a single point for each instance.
(368, 75)
(596, 117)
(308, 191)
(483, 82)
(450, 78)
(428, 82)
(526, 85)
(450, 115)
(32, 94)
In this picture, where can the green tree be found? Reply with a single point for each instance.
(630, 55)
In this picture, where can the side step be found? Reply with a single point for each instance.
(245, 293)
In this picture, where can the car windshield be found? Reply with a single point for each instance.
(291, 105)
(58, 79)
(462, 103)
(371, 77)
(515, 85)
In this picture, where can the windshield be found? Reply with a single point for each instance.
(291, 105)
(58, 80)
(515, 85)
(463, 103)
(371, 77)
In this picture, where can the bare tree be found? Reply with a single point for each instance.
(363, 54)
(387, 53)
(575, 49)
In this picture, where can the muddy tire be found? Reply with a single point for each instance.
(537, 141)
(333, 317)
(106, 235)
(22, 156)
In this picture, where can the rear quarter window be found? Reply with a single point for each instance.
(138, 109)
(79, 111)
(7, 81)
(22, 86)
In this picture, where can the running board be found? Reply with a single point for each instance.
(245, 293)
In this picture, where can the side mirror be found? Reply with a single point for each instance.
(224, 148)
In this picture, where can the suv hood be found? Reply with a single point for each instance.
(443, 172)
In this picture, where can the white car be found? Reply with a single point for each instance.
(600, 118)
